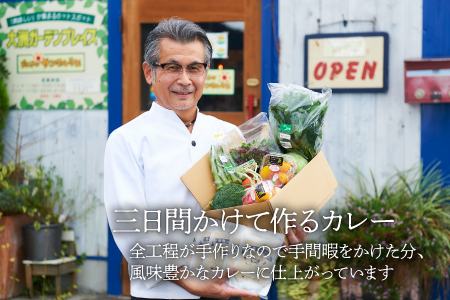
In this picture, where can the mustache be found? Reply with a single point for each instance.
(187, 90)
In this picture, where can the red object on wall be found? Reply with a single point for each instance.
(427, 81)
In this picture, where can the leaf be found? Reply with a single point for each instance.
(23, 103)
(106, 54)
(105, 99)
(105, 21)
(3, 36)
(70, 3)
(38, 9)
(70, 104)
(88, 101)
(80, 107)
(105, 40)
(101, 33)
(37, 225)
(98, 106)
(2, 11)
(2, 227)
(104, 77)
(61, 105)
(100, 51)
(41, 2)
(106, 67)
(100, 9)
(2, 51)
(38, 103)
(23, 8)
(103, 88)
(88, 3)
(62, 2)
(12, 4)
(29, 4)
(29, 106)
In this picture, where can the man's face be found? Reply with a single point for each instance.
(183, 91)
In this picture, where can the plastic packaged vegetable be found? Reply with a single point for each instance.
(259, 140)
(260, 192)
(278, 168)
(223, 167)
(296, 116)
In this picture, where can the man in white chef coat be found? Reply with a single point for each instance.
(145, 158)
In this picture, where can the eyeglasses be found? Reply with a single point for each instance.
(173, 70)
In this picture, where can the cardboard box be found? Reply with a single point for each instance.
(308, 190)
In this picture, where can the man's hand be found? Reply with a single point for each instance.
(212, 288)
(298, 234)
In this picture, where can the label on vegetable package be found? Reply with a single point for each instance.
(274, 168)
(286, 128)
(259, 190)
(285, 136)
(230, 169)
(276, 160)
(286, 145)
(251, 164)
(223, 158)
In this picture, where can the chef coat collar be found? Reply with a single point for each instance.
(159, 112)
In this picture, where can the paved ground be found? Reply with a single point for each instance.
(77, 297)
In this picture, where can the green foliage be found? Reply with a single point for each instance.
(4, 101)
(12, 196)
(418, 201)
(300, 289)
(306, 116)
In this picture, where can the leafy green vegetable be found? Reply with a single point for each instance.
(254, 150)
(229, 195)
(300, 161)
(297, 119)
(222, 167)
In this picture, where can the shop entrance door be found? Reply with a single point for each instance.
(232, 91)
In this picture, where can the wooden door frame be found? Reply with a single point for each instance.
(269, 73)
(136, 14)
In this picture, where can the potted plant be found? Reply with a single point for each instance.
(53, 210)
(418, 202)
(307, 285)
(12, 217)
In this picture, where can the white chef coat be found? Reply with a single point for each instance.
(144, 160)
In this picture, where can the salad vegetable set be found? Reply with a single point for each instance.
(275, 148)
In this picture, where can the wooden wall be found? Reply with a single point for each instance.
(377, 132)
(73, 141)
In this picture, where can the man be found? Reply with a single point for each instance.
(145, 158)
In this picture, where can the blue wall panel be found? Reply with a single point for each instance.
(114, 285)
(269, 52)
(435, 119)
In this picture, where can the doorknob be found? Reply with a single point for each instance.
(251, 102)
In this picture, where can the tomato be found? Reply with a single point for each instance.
(247, 183)
(266, 173)
(248, 198)
(284, 178)
(285, 167)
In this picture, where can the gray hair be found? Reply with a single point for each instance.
(178, 30)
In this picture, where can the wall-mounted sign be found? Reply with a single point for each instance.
(57, 53)
(219, 43)
(219, 82)
(349, 62)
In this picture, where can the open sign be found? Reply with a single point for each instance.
(355, 62)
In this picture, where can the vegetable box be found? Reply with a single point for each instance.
(308, 190)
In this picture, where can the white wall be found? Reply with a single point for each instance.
(73, 141)
(372, 131)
